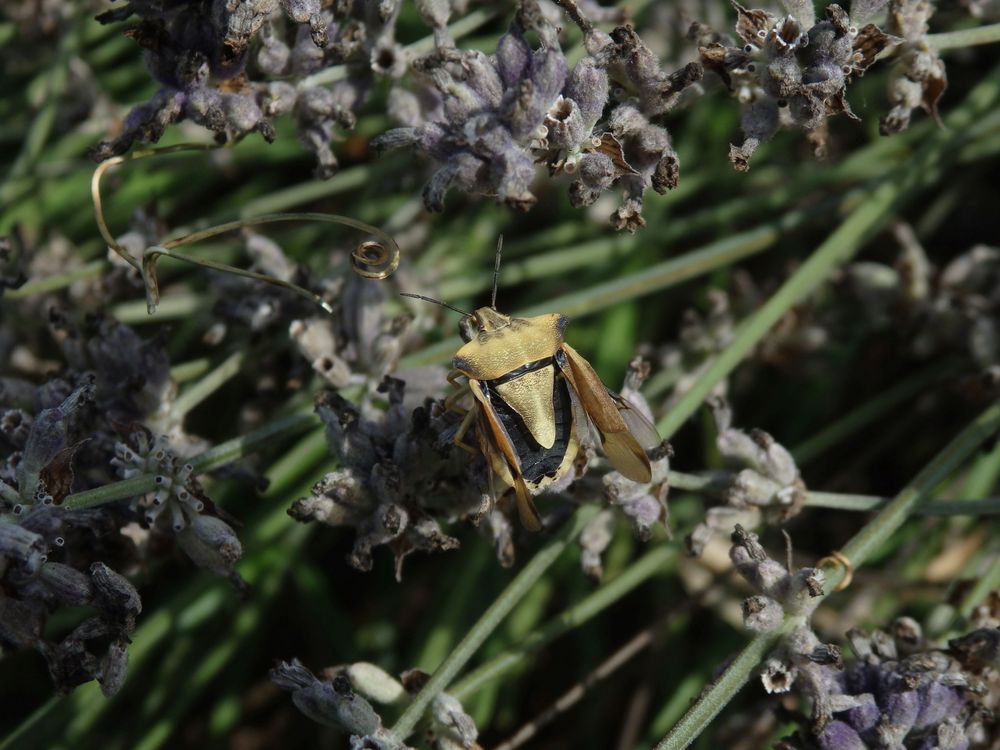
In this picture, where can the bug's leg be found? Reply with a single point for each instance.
(464, 428)
(461, 390)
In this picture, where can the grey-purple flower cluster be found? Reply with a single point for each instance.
(488, 120)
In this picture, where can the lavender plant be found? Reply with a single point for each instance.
(216, 499)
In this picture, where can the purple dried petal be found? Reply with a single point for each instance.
(837, 735)
(588, 87)
(866, 715)
(513, 56)
(937, 703)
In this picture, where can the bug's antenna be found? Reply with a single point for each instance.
(435, 301)
(496, 273)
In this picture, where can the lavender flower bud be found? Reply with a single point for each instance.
(837, 735)
(393, 139)
(374, 682)
(48, 438)
(513, 56)
(114, 668)
(750, 488)
(17, 543)
(762, 614)
(866, 714)
(211, 544)
(434, 13)
(68, 585)
(594, 540)
(901, 708)
(274, 54)
(15, 426)
(335, 705)
(937, 702)
(802, 586)
(908, 634)
(308, 11)
(950, 735)
(597, 170)
(588, 87)
(449, 720)
(538, 93)
(565, 124)
(278, 97)
(752, 562)
(463, 169)
(115, 595)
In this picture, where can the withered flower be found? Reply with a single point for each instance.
(917, 77)
(793, 70)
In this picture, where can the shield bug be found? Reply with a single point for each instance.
(532, 395)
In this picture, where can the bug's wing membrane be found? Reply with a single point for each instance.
(642, 429)
(496, 445)
(624, 451)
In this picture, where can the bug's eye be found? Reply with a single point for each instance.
(467, 328)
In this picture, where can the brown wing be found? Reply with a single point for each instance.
(526, 509)
(496, 445)
(621, 447)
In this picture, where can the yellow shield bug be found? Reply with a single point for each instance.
(532, 395)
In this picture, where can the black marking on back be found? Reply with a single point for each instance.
(538, 364)
(536, 462)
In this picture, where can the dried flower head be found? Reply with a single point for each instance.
(487, 121)
(769, 489)
(793, 70)
(917, 77)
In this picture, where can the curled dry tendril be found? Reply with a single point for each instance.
(371, 259)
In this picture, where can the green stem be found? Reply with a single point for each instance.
(857, 550)
(213, 458)
(195, 368)
(836, 250)
(9, 494)
(892, 516)
(208, 385)
(173, 307)
(40, 129)
(490, 619)
(717, 483)
(984, 584)
(57, 281)
(654, 278)
(965, 38)
(658, 560)
(872, 213)
(837, 501)
(870, 412)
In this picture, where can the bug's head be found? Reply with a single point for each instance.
(483, 320)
